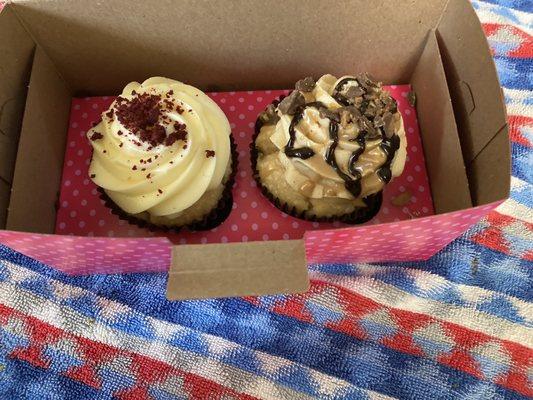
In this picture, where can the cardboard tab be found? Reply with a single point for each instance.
(442, 148)
(237, 269)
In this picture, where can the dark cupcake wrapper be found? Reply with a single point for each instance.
(216, 217)
(359, 216)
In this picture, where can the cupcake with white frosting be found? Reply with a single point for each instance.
(163, 156)
(326, 151)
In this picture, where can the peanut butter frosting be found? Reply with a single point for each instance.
(337, 138)
(160, 147)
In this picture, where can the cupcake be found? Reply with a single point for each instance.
(325, 152)
(163, 156)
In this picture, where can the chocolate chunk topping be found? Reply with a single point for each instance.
(269, 116)
(110, 114)
(354, 91)
(209, 153)
(378, 121)
(134, 168)
(327, 113)
(365, 105)
(388, 120)
(290, 104)
(179, 109)
(159, 191)
(411, 98)
(347, 114)
(96, 136)
(92, 176)
(305, 85)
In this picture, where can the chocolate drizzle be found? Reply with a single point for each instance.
(341, 99)
(352, 184)
(303, 152)
(369, 108)
(389, 147)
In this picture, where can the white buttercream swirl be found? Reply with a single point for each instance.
(162, 180)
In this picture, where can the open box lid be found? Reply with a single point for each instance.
(94, 50)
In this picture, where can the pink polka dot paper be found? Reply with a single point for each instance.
(89, 239)
(253, 217)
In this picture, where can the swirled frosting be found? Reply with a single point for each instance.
(160, 147)
(337, 138)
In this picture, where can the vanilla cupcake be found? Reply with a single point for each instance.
(326, 151)
(163, 156)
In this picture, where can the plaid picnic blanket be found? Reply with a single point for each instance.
(458, 326)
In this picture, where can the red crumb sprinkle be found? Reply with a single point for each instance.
(96, 136)
(209, 153)
(141, 115)
(180, 133)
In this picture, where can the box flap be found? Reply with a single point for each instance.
(16, 49)
(222, 43)
(477, 99)
(237, 269)
(41, 150)
(442, 148)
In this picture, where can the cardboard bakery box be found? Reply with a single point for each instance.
(54, 53)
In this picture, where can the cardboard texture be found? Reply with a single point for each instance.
(237, 45)
(16, 48)
(439, 132)
(474, 86)
(40, 158)
(203, 271)
(217, 46)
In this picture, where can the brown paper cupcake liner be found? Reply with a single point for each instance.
(359, 216)
(216, 217)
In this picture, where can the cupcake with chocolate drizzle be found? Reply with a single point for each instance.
(163, 156)
(326, 151)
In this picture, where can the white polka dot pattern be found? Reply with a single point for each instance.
(416, 239)
(82, 213)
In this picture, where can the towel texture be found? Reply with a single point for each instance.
(459, 326)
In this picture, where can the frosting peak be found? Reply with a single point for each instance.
(160, 147)
(337, 138)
